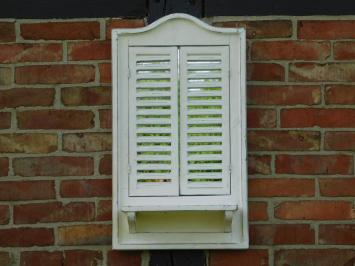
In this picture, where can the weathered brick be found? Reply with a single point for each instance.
(55, 119)
(337, 187)
(54, 166)
(26, 237)
(314, 257)
(259, 164)
(290, 50)
(27, 190)
(314, 210)
(89, 30)
(4, 166)
(326, 29)
(86, 96)
(262, 28)
(28, 143)
(4, 215)
(314, 164)
(53, 212)
(17, 97)
(261, 118)
(340, 94)
(105, 73)
(7, 32)
(41, 258)
(105, 119)
(89, 50)
(249, 257)
(55, 74)
(6, 76)
(13, 53)
(5, 257)
(87, 142)
(281, 234)
(340, 141)
(332, 118)
(265, 72)
(104, 210)
(87, 234)
(322, 72)
(283, 140)
(5, 120)
(122, 23)
(123, 258)
(82, 258)
(86, 188)
(257, 211)
(281, 187)
(284, 95)
(344, 50)
(105, 167)
(337, 234)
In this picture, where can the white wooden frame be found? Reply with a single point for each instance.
(179, 30)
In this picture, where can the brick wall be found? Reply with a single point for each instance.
(55, 143)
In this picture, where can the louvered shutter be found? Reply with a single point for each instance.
(204, 121)
(153, 125)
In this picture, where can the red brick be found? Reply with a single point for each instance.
(340, 94)
(61, 31)
(87, 142)
(250, 257)
(340, 141)
(302, 117)
(55, 74)
(259, 164)
(28, 143)
(314, 164)
(281, 234)
(261, 118)
(17, 97)
(5, 120)
(281, 187)
(265, 72)
(13, 53)
(122, 23)
(123, 258)
(4, 215)
(82, 258)
(314, 210)
(26, 237)
(290, 50)
(105, 72)
(284, 95)
(27, 190)
(54, 166)
(326, 30)
(89, 50)
(5, 259)
(322, 72)
(314, 257)
(6, 76)
(4, 166)
(283, 140)
(337, 187)
(337, 234)
(7, 32)
(53, 212)
(344, 50)
(105, 167)
(105, 119)
(257, 211)
(86, 234)
(86, 96)
(86, 188)
(261, 28)
(104, 210)
(55, 119)
(41, 258)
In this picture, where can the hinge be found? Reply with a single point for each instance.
(230, 168)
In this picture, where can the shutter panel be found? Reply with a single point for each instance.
(153, 125)
(204, 121)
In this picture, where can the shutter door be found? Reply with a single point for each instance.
(153, 125)
(204, 121)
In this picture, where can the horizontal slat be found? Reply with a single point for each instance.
(156, 167)
(153, 112)
(155, 121)
(152, 57)
(204, 111)
(153, 157)
(143, 176)
(153, 148)
(205, 102)
(210, 75)
(152, 130)
(201, 56)
(203, 93)
(153, 85)
(203, 184)
(204, 130)
(204, 157)
(153, 103)
(199, 121)
(204, 66)
(153, 93)
(153, 76)
(204, 84)
(204, 148)
(205, 166)
(205, 139)
(153, 139)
